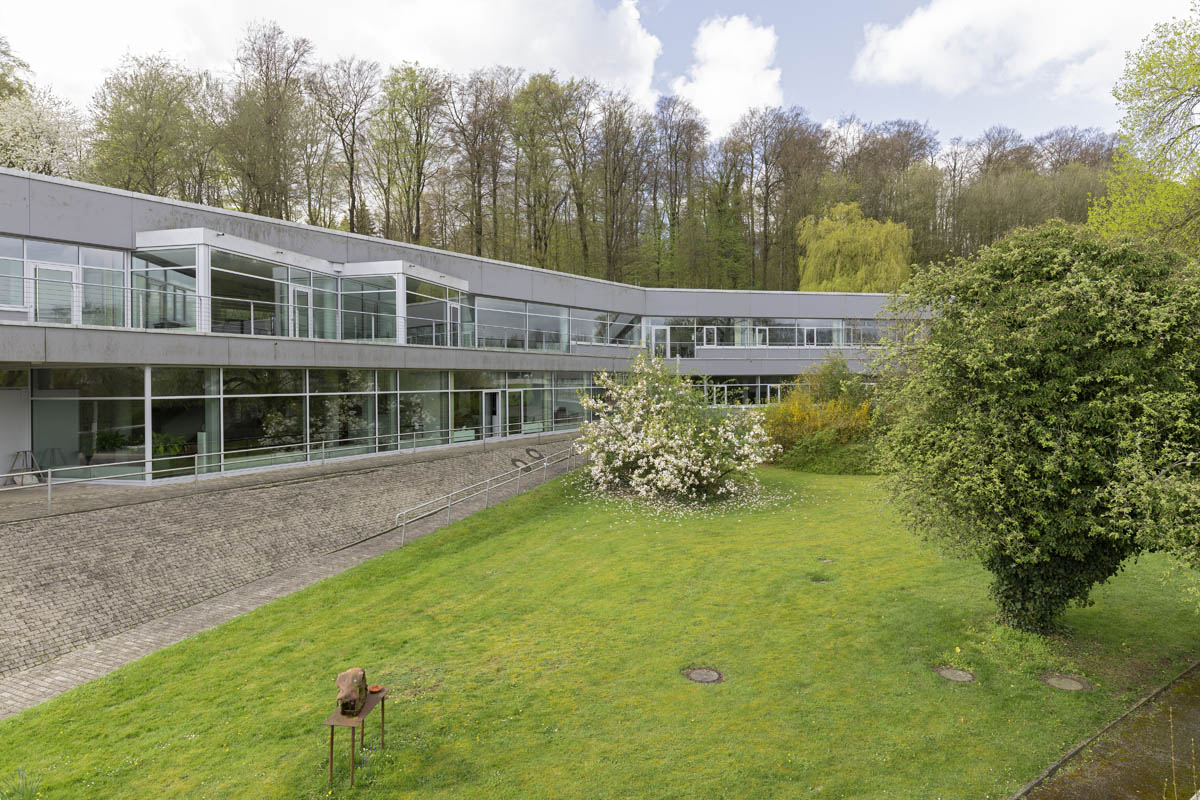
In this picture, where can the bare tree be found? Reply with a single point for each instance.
(343, 92)
(261, 144)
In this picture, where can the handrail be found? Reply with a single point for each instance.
(214, 462)
(447, 501)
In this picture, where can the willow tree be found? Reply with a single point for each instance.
(844, 251)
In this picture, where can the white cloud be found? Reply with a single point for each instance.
(574, 37)
(951, 46)
(733, 70)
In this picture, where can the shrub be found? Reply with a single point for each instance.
(1047, 417)
(652, 434)
(830, 401)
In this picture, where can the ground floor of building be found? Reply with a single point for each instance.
(160, 422)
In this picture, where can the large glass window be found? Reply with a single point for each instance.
(184, 382)
(369, 308)
(12, 271)
(467, 412)
(341, 380)
(589, 326)
(185, 436)
(262, 431)
(625, 329)
(52, 252)
(89, 420)
(249, 296)
(90, 382)
(422, 418)
(426, 313)
(103, 297)
(549, 327)
(325, 307)
(164, 288)
(499, 323)
(263, 381)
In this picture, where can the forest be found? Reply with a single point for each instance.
(555, 172)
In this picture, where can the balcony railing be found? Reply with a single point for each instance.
(181, 310)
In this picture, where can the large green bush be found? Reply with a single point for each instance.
(1045, 414)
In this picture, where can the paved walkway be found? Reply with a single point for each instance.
(1148, 754)
(146, 575)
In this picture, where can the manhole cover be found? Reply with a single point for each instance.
(1067, 683)
(704, 675)
(955, 674)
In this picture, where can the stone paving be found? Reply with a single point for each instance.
(97, 589)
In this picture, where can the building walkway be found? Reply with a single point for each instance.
(90, 590)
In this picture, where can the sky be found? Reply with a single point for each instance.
(959, 65)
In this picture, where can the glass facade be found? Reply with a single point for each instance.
(87, 422)
(70, 284)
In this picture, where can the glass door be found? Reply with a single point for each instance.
(661, 340)
(301, 312)
(56, 294)
(516, 421)
(493, 412)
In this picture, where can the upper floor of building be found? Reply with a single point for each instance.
(85, 256)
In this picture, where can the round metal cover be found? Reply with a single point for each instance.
(1067, 683)
(704, 675)
(955, 674)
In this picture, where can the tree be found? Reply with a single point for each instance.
(843, 251)
(343, 93)
(142, 116)
(406, 141)
(12, 72)
(1154, 187)
(1031, 415)
(261, 135)
(42, 133)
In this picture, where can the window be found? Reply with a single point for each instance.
(164, 288)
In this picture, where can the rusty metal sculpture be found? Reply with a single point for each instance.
(352, 691)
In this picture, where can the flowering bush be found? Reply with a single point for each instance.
(653, 435)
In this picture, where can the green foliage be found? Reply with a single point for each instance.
(1032, 418)
(12, 72)
(1154, 186)
(843, 251)
(823, 452)
(145, 116)
(833, 379)
(23, 786)
(822, 422)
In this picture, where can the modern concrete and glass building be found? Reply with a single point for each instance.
(143, 338)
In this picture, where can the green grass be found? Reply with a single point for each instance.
(536, 650)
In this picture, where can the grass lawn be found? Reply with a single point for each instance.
(536, 650)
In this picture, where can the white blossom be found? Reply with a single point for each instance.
(652, 434)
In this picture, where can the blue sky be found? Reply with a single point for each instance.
(960, 65)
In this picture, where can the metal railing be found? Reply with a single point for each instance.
(181, 309)
(447, 501)
(282, 454)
